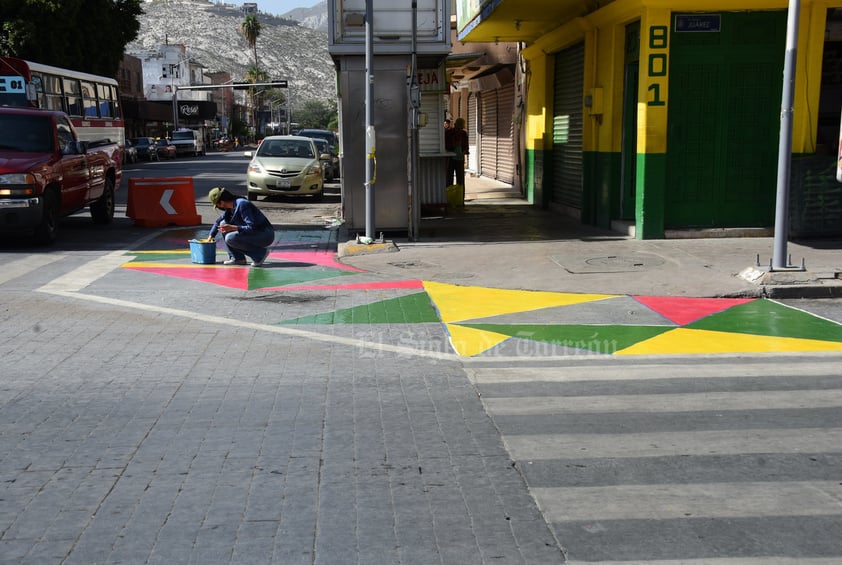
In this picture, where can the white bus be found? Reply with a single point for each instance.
(91, 101)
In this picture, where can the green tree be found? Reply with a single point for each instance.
(250, 28)
(316, 114)
(84, 35)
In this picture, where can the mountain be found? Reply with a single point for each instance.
(210, 31)
(314, 18)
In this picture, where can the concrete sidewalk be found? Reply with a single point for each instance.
(503, 242)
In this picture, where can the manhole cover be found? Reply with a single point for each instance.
(609, 263)
(411, 265)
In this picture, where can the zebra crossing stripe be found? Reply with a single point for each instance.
(663, 444)
(699, 500)
(714, 401)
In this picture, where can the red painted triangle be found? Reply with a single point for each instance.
(683, 310)
(382, 285)
(232, 277)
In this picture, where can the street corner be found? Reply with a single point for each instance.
(483, 322)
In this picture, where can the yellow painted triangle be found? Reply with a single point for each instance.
(158, 265)
(469, 341)
(458, 303)
(684, 341)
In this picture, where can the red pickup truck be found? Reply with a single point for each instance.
(47, 173)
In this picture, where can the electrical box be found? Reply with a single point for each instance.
(392, 28)
(594, 100)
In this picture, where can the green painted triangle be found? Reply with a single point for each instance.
(411, 309)
(159, 257)
(276, 274)
(770, 318)
(602, 339)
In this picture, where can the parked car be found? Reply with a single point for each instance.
(330, 136)
(145, 147)
(165, 148)
(285, 165)
(129, 152)
(330, 162)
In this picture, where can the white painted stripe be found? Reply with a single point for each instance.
(665, 444)
(86, 274)
(771, 560)
(702, 401)
(26, 265)
(698, 500)
(370, 347)
(629, 372)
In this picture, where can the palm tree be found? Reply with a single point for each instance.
(250, 28)
(254, 75)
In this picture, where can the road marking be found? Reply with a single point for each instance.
(165, 201)
(635, 403)
(670, 444)
(26, 265)
(91, 271)
(699, 500)
(69, 286)
(624, 371)
(770, 560)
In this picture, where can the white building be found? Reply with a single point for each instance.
(168, 67)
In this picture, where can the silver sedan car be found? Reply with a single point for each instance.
(284, 165)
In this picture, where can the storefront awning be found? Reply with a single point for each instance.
(518, 20)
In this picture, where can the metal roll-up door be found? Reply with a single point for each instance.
(568, 90)
(488, 134)
(472, 119)
(505, 134)
(431, 137)
(472, 163)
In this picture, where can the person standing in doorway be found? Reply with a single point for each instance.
(456, 141)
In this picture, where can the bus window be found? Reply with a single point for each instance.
(115, 100)
(106, 97)
(52, 93)
(89, 100)
(72, 97)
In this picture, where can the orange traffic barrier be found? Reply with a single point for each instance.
(162, 201)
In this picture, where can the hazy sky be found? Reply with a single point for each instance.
(278, 7)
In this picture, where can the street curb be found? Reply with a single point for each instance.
(352, 248)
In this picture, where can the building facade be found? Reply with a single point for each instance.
(664, 117)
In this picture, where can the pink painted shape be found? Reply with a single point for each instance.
(683, 310)
(232, 277)
(322, 258)
(408, 284)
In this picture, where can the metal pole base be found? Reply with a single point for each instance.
(785, 268)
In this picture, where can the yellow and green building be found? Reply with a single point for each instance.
(664, 115)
